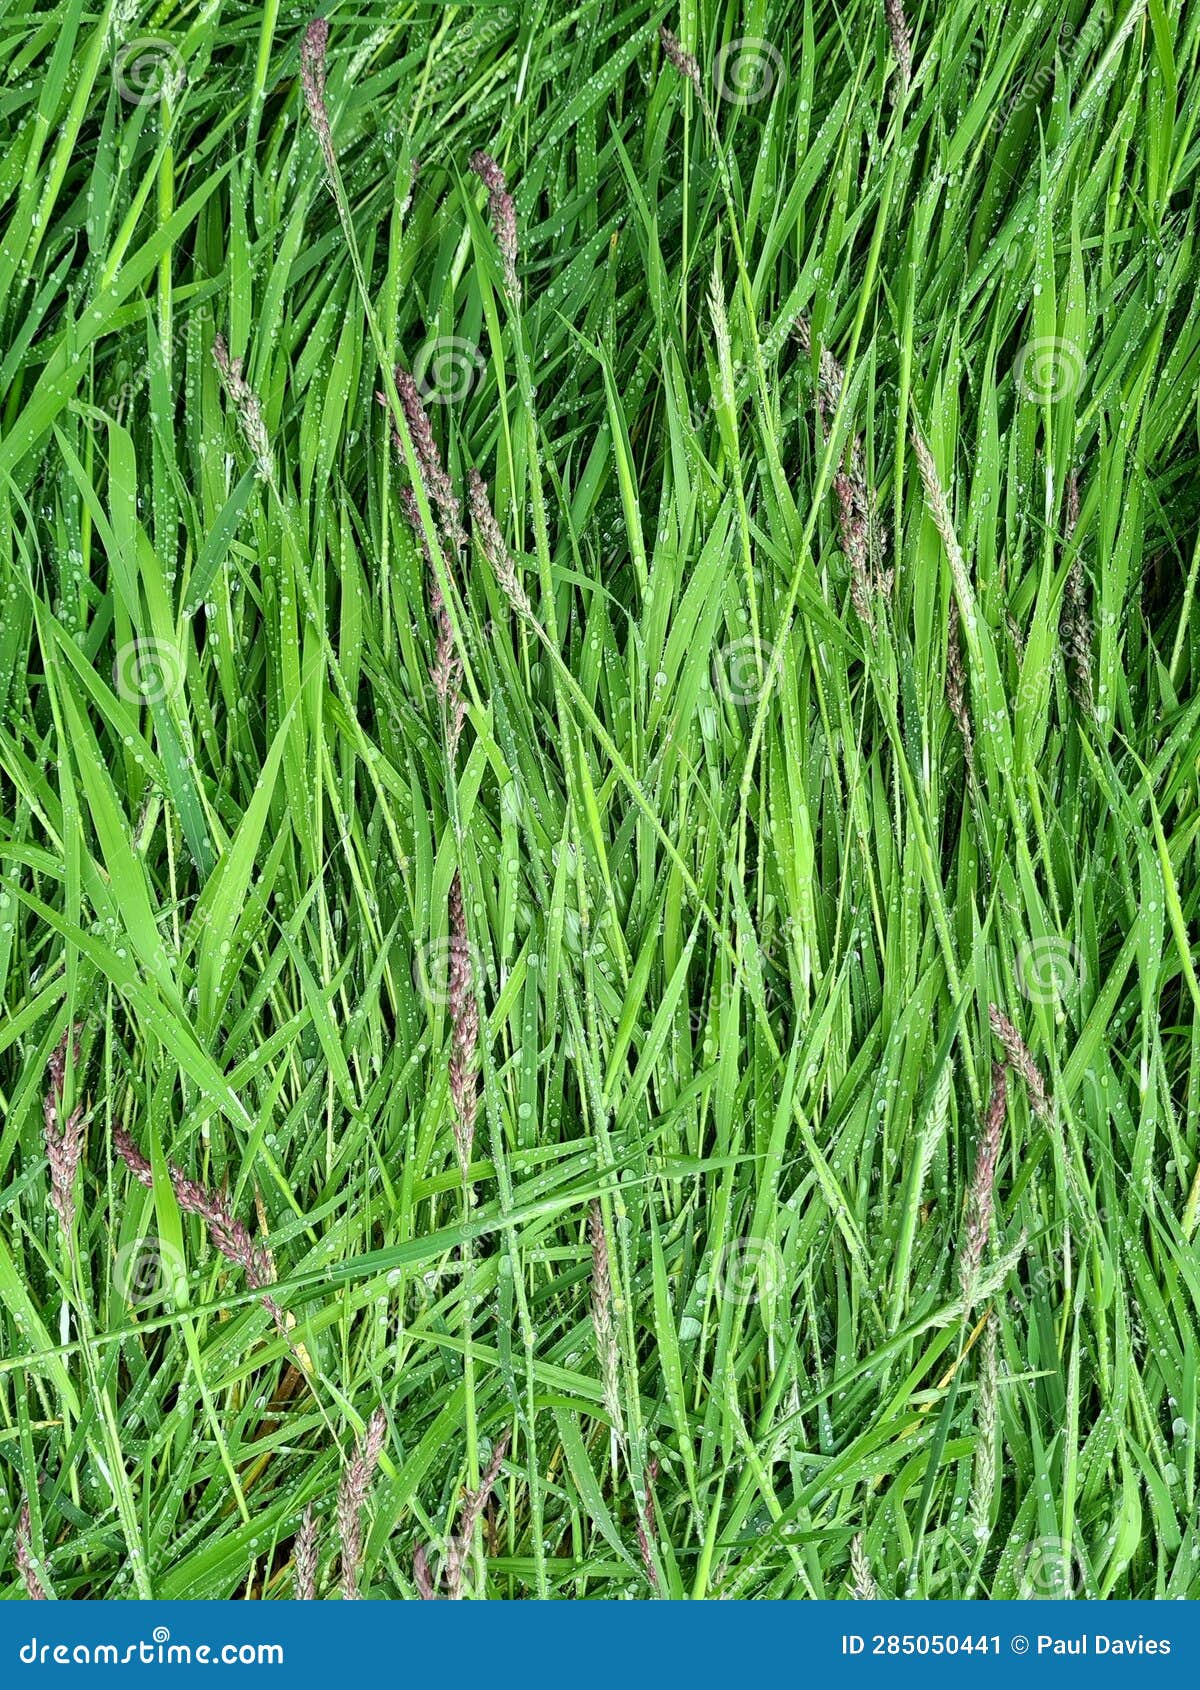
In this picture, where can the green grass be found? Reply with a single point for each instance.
(738, 912)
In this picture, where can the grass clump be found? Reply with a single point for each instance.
(598, 857)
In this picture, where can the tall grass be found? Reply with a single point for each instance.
(540, 869)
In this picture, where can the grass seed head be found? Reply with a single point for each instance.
(503, 215)
(956, 689)
(459, 1549)
(229, 1235)
(422, 1576)
(487, 531)
(980, 1203)
(685, 63)
(647, 1526)
(26, 1560)
(304, 1557)
(852, 525)
(1021, 1058)
(64, 1139)
(984, 1483)
(464, 1021)
(901, 42)
(862, 536)
(831, 377)
(446, 670)
(1075, 632)
(939, 509)
(312, 80)
(862, 1581)
(438, 489)
(603, 1324)
(352, 1499)
(246, 407)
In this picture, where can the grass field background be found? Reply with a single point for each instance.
(642, 1038)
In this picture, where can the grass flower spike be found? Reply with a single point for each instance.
(64, 1137)
(352, 1500)
(503, 215)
